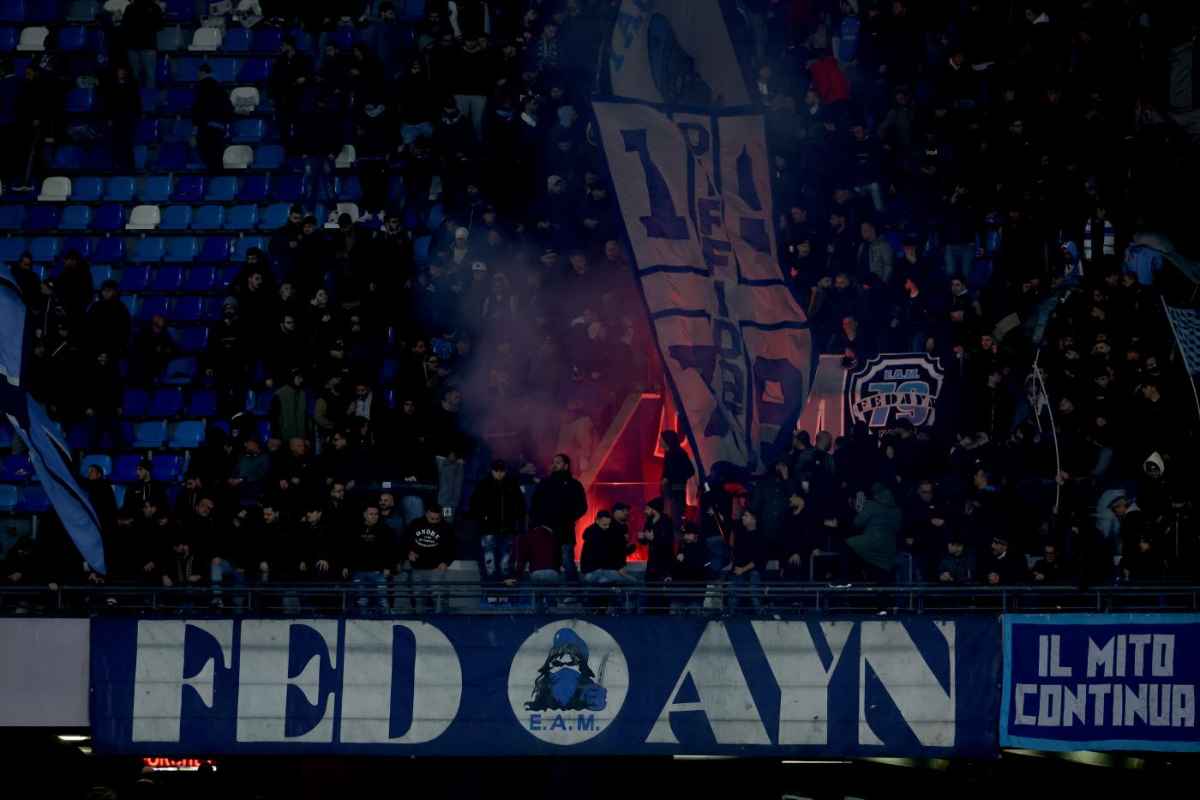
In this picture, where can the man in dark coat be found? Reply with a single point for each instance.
(210, 114)
(498, 506)
(558, 503)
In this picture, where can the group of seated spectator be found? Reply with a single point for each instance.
(949, 180)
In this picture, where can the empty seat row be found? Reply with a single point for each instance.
(168, 402)
(35, 39)
(207, 218)
(115, 249)
(189, 308)
(188, 189)
(172, 278)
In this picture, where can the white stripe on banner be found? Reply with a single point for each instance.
(695, 194)
(681, 46)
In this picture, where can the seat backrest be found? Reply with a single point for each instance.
(109, 217)
(206, 40)
(182, 249)
(245, 99)
(269, 156)
(237, 40)
(55, 189)
(149, 249)
(221, 189)
(241, 218)
(346, 158)
(176, 218)
(238, 156)
(273, 216)
(33, 39)
(45, 248)
(170, 39)
(87, 189)
(76, 218)
(208, 218)
(120, 189)
(144, 218)
(155, 189)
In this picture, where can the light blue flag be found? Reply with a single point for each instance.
(12, 327)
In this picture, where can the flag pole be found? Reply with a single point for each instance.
(1175, 333)
(1053, 433)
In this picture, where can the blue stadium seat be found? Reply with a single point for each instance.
(175, 218)
(149, 250)
(173, 157)
(248, 131)
(258, 403)
(244, 244)
(72, 39)
(83, 11)
(33, 501)
(267, 40)
(134, 403)
(288, 188)
(125, 468)
(150, 435)
(254, 70)
(104, 462)
(268, 156)
(110, 250)
(6, 435)
(180, 10)
(98, 158)
(190, 308)
(437, 215)
(221, 189)
(146, 132)
(135, 278)
(208, 218)
(178, 130)
(150, 307)
(342, 38)
(131, 302)
(100, 274)
(12, 218)
(273, 217)
(120, 189)
(421, 249)
(188, 189)
(8, 39)
(81, 101)
(185, 69)
(186, 435)
(254, 189)
(180, 101)
(203, 402)
(45, 248)
(67, 156)
(9, 497)
(44, 218)
(119, 494)
(165, 403)
(347, 188)
(155, 189)
(215, 249)
(166, 467)
(182, 249)
(151, 100)
(193, 340)
(84, 245)
(241, 218)
(166, 279)
(16, 469)
(236, 40)
(181, 371)
(227, 275)
(109, 218)
(87, 189)
(76, 217)
(225, 70)
(11, 249)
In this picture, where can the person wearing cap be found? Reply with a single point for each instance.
(498, 507)
(1001, 566)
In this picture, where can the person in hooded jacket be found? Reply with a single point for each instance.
(873, 547)
(498, 506)
(558, 503)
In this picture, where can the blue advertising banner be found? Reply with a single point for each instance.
(540, 686)
(1100, 682)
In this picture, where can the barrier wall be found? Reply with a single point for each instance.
(44, 672)
(539, 685)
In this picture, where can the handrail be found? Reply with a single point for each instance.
(472, 597)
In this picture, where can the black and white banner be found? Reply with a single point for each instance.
(695, 193)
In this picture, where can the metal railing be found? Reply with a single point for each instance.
(472, 597)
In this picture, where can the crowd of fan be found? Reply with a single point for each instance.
(950, 180)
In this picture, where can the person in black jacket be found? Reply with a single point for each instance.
(558, 503)
(139, 26)
(604, 551)
(123, 105)
(1002, 566)
(498, 506)
(658, 534)
(749, 560)
(369, 556)
(691, 565)
(677, 471)
(802, 536)
(210, 114)
(428, 551)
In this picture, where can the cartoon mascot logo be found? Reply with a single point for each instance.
(580, 679)
(566, 682)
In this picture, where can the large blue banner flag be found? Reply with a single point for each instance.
(1100, 682)
(49, 454)
(532, 685)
